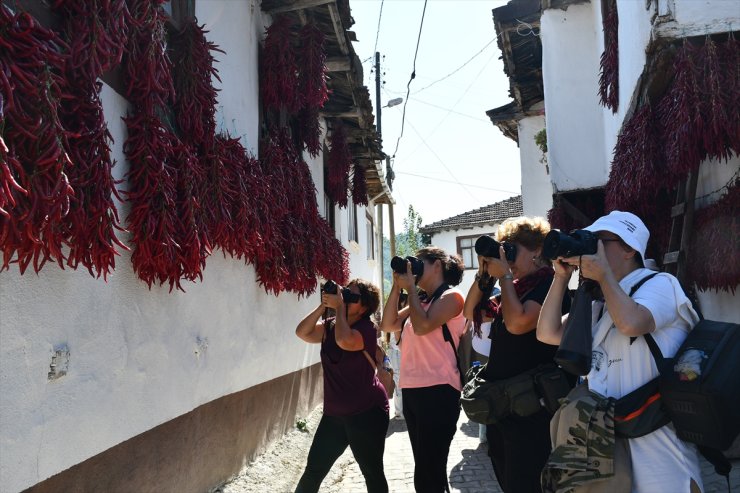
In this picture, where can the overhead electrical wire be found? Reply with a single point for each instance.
(413, 76)
(458, 68)
(442, 162)
(377, 34)
(455, 182)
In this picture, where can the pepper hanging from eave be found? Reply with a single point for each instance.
(609, 62)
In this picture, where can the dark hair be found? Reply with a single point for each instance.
(369, 295)
(452, 265)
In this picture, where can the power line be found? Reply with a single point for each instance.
(413, 76)
(458, 68)
(442, 162)
(377, 34)
(451, 111)
(455, 182)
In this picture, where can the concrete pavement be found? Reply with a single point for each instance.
(468, 465)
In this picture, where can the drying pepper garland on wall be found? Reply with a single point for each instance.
(188, 188)
(294, 82)
(609, 63)
(151, 149)
(35, 193)
(659, 146)
(96, 31)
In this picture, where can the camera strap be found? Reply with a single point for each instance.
(446, 334)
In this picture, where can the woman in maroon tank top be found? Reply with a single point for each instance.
(355, 402)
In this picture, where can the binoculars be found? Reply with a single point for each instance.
(348, 296)
(486, 246)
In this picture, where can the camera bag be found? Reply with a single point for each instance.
(701, 385)
(698, 390)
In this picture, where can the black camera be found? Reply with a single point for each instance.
(348, 296)
(398, 264)
(577, 242)
(485, 246)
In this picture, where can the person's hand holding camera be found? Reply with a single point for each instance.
(334, 301)
(405, 281)
(498, 267)
(594, 267)
(563, 269)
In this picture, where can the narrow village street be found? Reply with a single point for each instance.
(279, 468)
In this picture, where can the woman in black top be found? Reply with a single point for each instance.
(518, 446)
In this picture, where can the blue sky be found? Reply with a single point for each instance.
(451, 159)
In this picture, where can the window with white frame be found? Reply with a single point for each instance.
(370, 227)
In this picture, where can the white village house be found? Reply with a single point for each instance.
(568, 170)
(114, 387)
(457, 234)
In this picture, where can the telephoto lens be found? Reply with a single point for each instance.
(486, 246)
(398, 264)
(578, 242)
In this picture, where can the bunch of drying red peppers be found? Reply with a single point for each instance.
(189, 190)
(662, 142)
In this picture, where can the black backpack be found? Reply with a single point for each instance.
(698, 389)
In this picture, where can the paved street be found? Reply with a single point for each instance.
(469, 467)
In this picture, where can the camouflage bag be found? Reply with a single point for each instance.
(587, 457)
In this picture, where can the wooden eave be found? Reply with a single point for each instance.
(349, 100)
(521, 50)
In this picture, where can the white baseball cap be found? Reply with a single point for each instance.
(627, 226)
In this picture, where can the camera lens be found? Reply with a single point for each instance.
(485, 246)
(398, 265)
(330, 287)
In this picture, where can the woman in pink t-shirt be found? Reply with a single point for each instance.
(430, 380)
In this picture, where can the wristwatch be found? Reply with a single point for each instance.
(508, 275)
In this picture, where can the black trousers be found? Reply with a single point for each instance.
(519, 448)
(431, 416)
(365, 435)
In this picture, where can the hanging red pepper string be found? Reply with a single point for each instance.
(195, 109)
(715, 258)
(152, 150)
(609, 63)
(359, 186)
(680, 114)
(310, 130)
(248, 205)
(338, 166)
(279, 71)
(96, 32)
(193, 70)
(32, 64)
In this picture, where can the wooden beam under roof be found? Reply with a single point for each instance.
(338, 64)
(338, 27)
(297, 5)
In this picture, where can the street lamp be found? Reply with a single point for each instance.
(393, 102)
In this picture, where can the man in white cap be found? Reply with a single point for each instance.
(621, 359)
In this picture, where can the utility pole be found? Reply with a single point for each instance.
(379, 207)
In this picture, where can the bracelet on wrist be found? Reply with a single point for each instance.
(508, 275)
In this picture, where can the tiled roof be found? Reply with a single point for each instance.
(490, 214)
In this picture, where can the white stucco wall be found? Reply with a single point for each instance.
(536, 188)
(142, 357)
(707, 15)
(575, 128)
